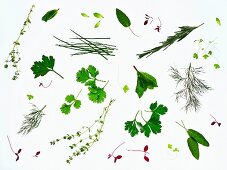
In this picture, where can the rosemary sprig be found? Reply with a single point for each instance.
(86, 136)
(88, 47)
(179, 35)
(13, 56)
(192, 86)
(32, 120)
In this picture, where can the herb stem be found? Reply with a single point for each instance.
(135, 68)
(10, 145)
(78, 94)
(133, 32)
(106, 84)
(58, 74)
(142, 116)
(182, 126)
(117, 147)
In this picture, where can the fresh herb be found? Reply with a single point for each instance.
(112, 154)
(179, 35)
(88, 77)
(37, 154)
(32, 120)
(30, 97)
(41, 68)
(158, 28)
(192, 86)
(144, 81)
(84, 15)
(215, 121)
(170, 146)
(145, 149)
(194, 139)
(41, 84)
(98, 15)
(70, 100)
(87, 136)
(218, 21)
(147, 18)
(126, 88)
(124, 20)
(152, 125)
(216, 66)
(13, 56)
(88, 47)
(16, 153)
(50, 14)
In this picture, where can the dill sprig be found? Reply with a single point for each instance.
(13, 56)
(86, 136)
(192, 86)
(86, 46)
(32, 120)
(179, 35)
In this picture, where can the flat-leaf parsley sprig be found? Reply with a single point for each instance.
(13, 56)
(86, 136)
(88, 77)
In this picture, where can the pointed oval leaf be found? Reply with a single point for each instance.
(145, 148)
(97, 24)
(146, 158)
(50, 14)
(84, 15)
(219, 124)
(145, 22)
(198, 137)
(213, 123)
(19, 151)
(119, 156)
(98, 15)
(37, 153)
(218, 21)
(193, 147)
(122, 18)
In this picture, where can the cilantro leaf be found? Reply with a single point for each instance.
(69, 98)
(144, 81)
(82, 75)
(65, 108)
(125, 88)
(131, 127)
(41, 68)
(216, 66)
(153, 125)
(77, 104)
(195, 55)
(97, 94)
(30, 97)
(93, 71)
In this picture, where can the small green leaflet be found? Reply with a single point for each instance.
(97, 24)
(152, 125)
(195, 55)
(50, 14)
(205, 56)
(216, 66)
(41, 68)
(98, 15)
(85, 15)
(170, 146)
(175, 150)
(144, 81)
(30, 97)
(126, 88)
(218, 21)
(96, 94)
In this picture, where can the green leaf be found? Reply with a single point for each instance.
(126, 88)
(205, 56)
(198, 137)
(216, 66)
(144, 81)
(70, 98)
(97, 24)
(96, 95)
(84, 15)
(41, 68)
(210, 52)
(175, 150)
(82, 75)
(77, 104)
(122, 18)
(161, 109)
(90, 83)
(193, 147)
(131, 127)
(218, 21)
(153, 125)
(30, 97)
(50, 14)
(195, 55)
(98, 15)
(153, 106)
(170, 146)
(65, 108)
(93, 71)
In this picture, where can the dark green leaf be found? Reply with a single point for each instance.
(70, 98)
(153, 125)
(153, 106)
(122, 18)
(65, 108)
(193, 147)
(210, 52)
(198, 137)
(50, 14)
(98, 15)
(77, 104)
(90, 83)
(93, 71)
(131, 127)
(96, 95)
(161, 109)
(82, 75)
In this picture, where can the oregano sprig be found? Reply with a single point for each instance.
(86, 136)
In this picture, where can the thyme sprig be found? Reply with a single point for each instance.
(86, 136)
(14, 56)
(32, 120)
(88, 47)
(192, 86)
(179, 35)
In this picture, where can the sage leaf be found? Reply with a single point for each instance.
(84, 15)
(97, 24)
(98, 15)
(218, 21)
(122, 18)
(198, 137)
(193, 147)
(50, 14)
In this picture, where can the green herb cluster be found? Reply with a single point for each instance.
(96, 15)
(152, 125)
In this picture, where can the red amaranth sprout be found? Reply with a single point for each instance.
(145, 149)
(112, 154)
(16, 153)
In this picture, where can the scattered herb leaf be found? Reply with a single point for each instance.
(205, 56)
(195, 55)
(218, 21)
(85, 15)
(16, 153)
(50, 14)
(112, 154)
(98, 15)
(216, 66)
(30, 97)
(144, 151)
(126, 88)
(215, 121)
(97, 24)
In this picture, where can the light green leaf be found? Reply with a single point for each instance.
(84, 15)
(70, 98)
(122, 18)
(50, 14)
(98, 15)
(170, 146)
(175, 150)
(77, 104)
(92, 71)
(205, 56)
(125, 88)
(30, 97)
(195, 55)
(216, 66)
(97, 24)
(218, 21)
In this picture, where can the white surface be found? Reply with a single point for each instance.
(38, 41)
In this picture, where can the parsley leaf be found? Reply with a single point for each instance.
(93, 71)
(144, 81)
(97, 94)
(153, 125)
(41, 68)
(132, 127)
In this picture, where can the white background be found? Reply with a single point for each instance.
(38, 41)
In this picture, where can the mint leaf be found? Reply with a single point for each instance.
(131, 127)
(77, 104)
(70, 98)
(125, 88)
(65, 108)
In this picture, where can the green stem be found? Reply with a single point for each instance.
(133, 32)
(136, 114)
(106, 84)
(143, 117)
(78, 94)
(182, 126)
(135, 68)
(58, 74)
